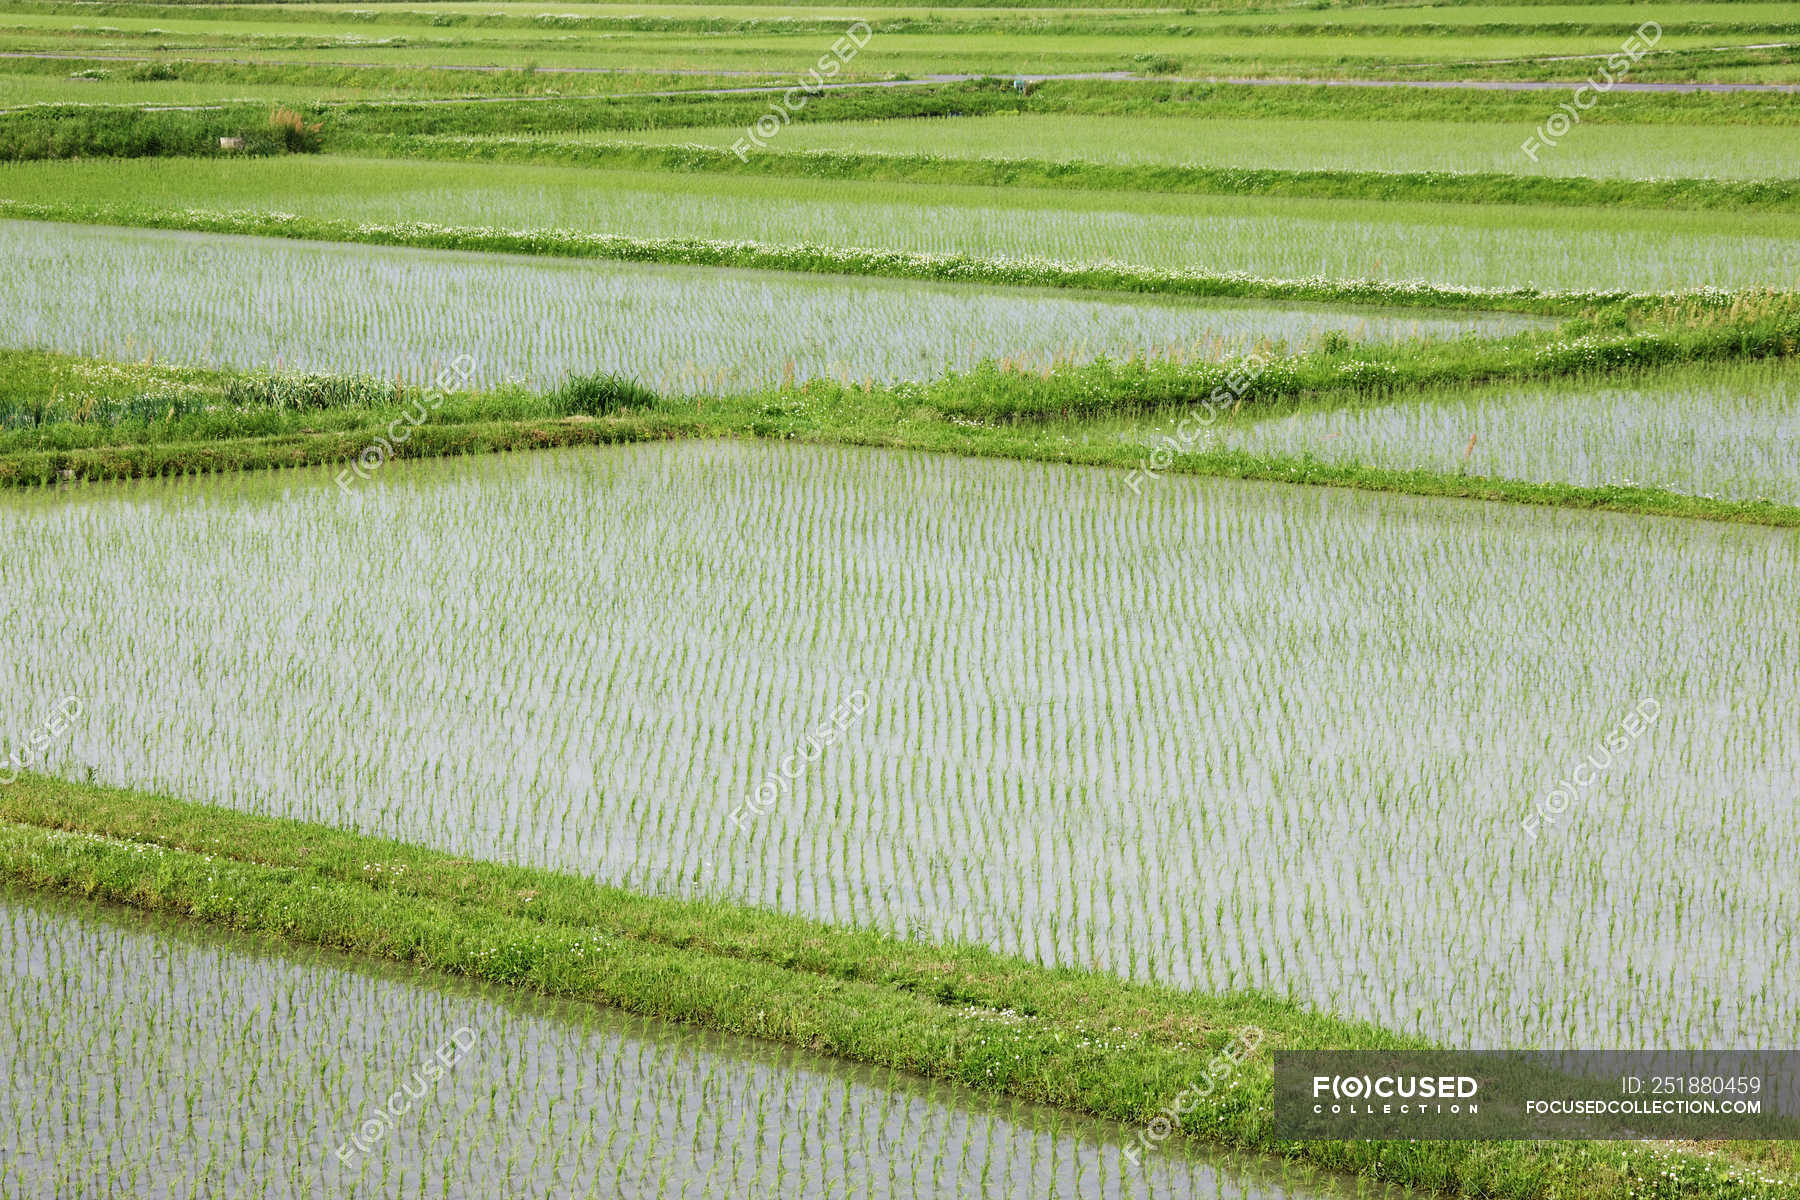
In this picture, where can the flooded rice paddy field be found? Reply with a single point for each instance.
(1360, 750)
(213, 300)
(148, 1057)
(1727, 431)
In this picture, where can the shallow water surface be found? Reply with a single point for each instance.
(1215, 734)
(148, 1057)
(213, 300)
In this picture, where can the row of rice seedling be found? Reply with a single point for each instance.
(1213, 734)
(1615, 151)
(209, 300)
(1004, 52)
(1448, 244)
(149, 1059)
(1268, 19)
(1728, 431)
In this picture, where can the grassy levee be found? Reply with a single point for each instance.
(77, 130)
(1110, 98)
(71, 131)
(995, 410)
(1441, 187)
(515, 105)
(159, 460)
(351, 120)
(163, 458)
(185, 81)
(1316, 100)
(1106, 388)
(941, 1011)
(170, 459)
(692, 109)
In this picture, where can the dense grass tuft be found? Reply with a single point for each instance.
(600, 395)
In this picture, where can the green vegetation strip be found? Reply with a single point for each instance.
(74, 131)
(835, 260)
(958, 1013)
(1091, 97)
(161, 460)
(431, 128)
(1200, 100)
(1764, 327)
(71, 130)
(1451, 187)
(1719, 22)
(234, 423)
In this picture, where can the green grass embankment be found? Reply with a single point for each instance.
(958, 1013)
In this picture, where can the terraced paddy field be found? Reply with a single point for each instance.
(1752, 41)
(160, 1035)
(588, 616)
(1733, 434)
(1454, 244)
(404, 313)
(1602, 151)
(1095, 658)
(395, 43)
(1710, 432)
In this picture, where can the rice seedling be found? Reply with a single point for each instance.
(154, 1058)
(1448, 244)
(1659, 152)
(394, 313)
(1725, 431)
(1197, 735)
(759, 720)
(1157, 46)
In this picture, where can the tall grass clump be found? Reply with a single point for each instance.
(295, 133)
(273, 390)
(600, 395)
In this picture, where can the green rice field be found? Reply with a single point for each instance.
(1734, 434)
(1736, 40)
(394, 45)
(1446, 243)
(121, 1021)
(700, 600)
(1602, 151)
(400, 314)
(1061, 776)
